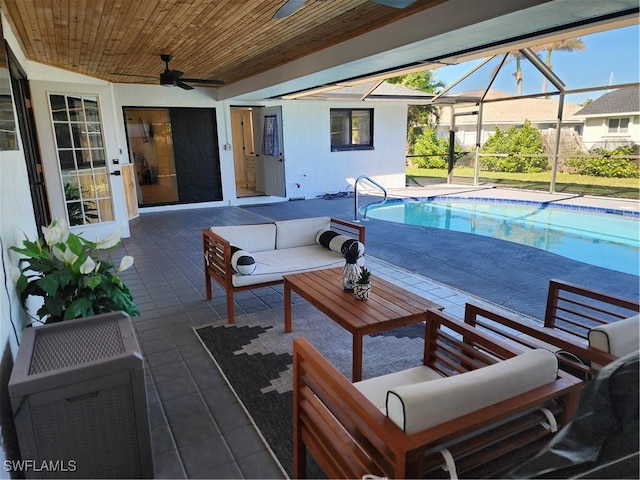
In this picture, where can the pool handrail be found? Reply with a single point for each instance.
(355, 197)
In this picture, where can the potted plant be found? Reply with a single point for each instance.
(71, 275)
(362, 288)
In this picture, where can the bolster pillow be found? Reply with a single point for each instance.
(423, 405)
(242, 262)
(336, 242)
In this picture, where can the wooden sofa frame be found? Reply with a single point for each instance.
(350, 437)
(217, 261)
(570, 312)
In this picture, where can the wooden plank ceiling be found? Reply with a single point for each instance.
(229, 40)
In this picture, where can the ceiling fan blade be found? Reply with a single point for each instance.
(288, 8)
(183, 85)
(203, 81)
(394, 3)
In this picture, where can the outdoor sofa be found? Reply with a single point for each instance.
(244, 257)
(476, 408)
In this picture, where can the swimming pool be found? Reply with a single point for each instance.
(609, 240)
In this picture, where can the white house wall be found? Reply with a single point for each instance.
(596, 130)
(311, 163)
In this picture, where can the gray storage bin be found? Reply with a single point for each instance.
(79, 400)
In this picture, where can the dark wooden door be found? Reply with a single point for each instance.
(28, 134)
(195, 148)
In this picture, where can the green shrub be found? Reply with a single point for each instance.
(605, 166)
(517, 143)
(434, 150)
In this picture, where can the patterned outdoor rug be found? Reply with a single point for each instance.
(254, 355)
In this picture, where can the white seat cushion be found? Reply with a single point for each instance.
(272, 265)
(423, 405)
(617, 338)
(299, 232)
(252, 238)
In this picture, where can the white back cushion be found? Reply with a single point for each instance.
(252, 238)
(422, 405)
(300, 232)
(617, 338)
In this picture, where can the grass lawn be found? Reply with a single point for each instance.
(565, 182)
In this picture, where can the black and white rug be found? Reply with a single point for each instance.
(254, 355)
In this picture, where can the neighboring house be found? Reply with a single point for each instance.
(540, 112)
(612, 120)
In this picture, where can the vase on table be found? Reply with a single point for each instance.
(350, 275)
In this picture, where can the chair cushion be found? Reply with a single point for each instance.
(272, 265)
(423, 405)
(617, 338)
(253, 238)
(299, 232)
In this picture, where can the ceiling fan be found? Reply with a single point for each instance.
(174, 78)
(291, 6)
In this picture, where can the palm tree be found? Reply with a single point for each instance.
(567, 45)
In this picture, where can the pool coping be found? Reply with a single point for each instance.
(475, 199)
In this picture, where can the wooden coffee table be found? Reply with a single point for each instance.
(388, 306)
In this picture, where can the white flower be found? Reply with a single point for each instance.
(109, 241)
(125, 263)
(56, 232)
(66, 256)
(88, 266)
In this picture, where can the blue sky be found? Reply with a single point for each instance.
(609, 57)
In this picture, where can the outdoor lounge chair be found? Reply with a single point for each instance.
(586, 328)
(475, 408)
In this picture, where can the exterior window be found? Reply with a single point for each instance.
(351, 129)
(619, 125)
(82, 158)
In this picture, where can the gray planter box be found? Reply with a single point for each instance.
(79, 400)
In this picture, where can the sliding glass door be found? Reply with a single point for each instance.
(175, 153)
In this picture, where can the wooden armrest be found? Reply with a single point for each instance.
(217, 253)
(495, 322)
(348, 228)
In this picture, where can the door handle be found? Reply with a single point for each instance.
(116, 173)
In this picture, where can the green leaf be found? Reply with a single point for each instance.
(94, 281)
(80, 307)
(49, 284)
(21, 284)
(74, 244)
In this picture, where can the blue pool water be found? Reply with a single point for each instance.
(597, 238)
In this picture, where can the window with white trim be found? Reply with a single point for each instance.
(619, 125)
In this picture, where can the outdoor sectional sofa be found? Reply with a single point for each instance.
(244, 257)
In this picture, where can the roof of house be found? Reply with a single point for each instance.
(622, 100)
